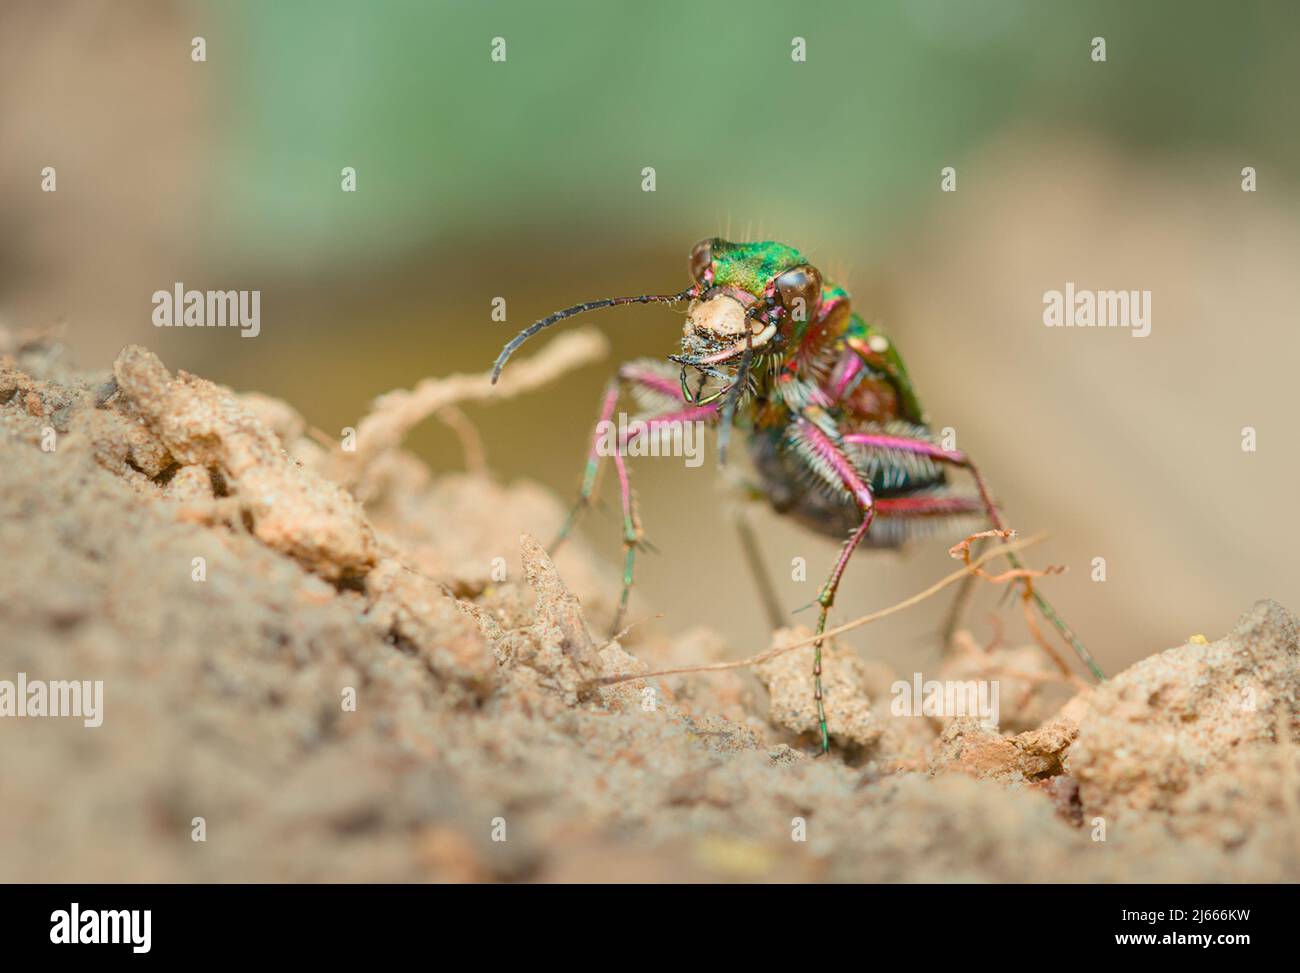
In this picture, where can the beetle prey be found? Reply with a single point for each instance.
(836, 432)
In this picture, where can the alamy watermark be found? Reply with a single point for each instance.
(75, 925)
(651, 437)
(179, 308)
(1076, 308)
(947, 698)
(36, 697)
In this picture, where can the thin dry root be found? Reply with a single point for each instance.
(1026, 575)
(396, 412)
(962, 551)
(471, 441)
(972, 567)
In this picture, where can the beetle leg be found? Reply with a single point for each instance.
(629, 376)
(958, 458)
(743, 493)
(766, 589)
(632, 535)
(921, 447)
(824, 453)
(631, 538)
(591, 473)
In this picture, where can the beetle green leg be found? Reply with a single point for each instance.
(766, 589)
(591, 474)
(635, 376)
(817, 446)
(630, 375)
(826, 598)
(631, 538)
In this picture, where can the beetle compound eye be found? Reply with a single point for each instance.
(701, 259)
(800, 292)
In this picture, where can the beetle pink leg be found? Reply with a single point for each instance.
(824, 448)
(955, 457)
(630, 375)
(960, 459)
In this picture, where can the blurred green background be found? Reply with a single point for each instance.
(522, 180)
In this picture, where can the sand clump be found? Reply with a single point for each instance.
(1178, 717)
(355, 690)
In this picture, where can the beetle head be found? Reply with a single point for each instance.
(747, 295)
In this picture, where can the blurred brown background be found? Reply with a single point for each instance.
(522, 180)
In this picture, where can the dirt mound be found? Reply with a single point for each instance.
(315, 661)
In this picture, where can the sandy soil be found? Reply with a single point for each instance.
(479, 713)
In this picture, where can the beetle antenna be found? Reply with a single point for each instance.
(569, 312)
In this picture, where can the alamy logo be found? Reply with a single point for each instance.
(1098, 309)
(973, 697)
(133, 926)
(59, 698)
(656, 437)
(208, 309)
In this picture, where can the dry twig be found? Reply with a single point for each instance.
(395, 413)
(971, 567)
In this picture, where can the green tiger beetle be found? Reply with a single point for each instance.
(837, 434)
